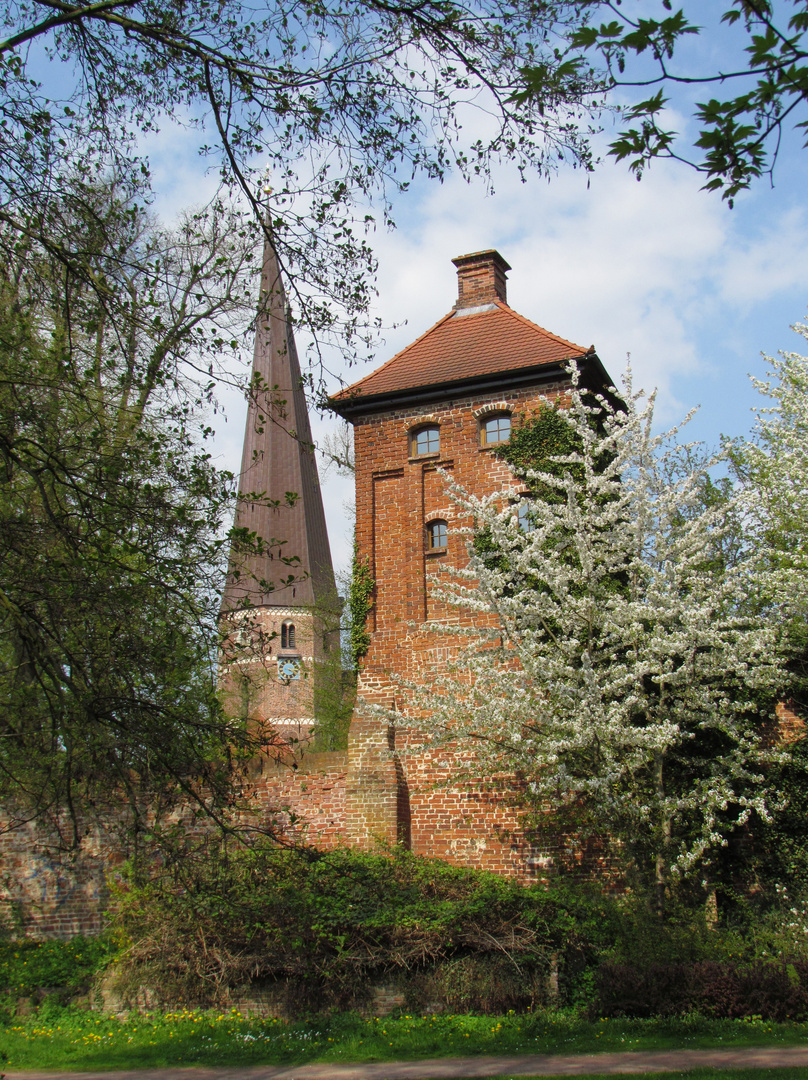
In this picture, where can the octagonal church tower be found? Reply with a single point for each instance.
(279, 608)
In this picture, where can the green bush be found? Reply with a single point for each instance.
(753, 962)
(780, 849)
(320, 931)
(64, 968)
(768, 991)
(326, 927)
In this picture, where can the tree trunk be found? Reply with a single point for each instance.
(661, 862)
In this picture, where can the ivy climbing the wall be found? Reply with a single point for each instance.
(534, 443)
(537, 442)
(360, 601)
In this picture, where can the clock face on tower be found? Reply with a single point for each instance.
(288, 668)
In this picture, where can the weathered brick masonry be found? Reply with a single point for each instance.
(432, 412)
(48, 889)
(47, 892)
(431, 415)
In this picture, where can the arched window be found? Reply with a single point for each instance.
(288, 635)
(437, 535)
(495, 429)
(425, 440)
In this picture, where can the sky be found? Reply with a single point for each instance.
(658, 270)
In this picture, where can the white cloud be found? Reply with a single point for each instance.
(767, 264)
(657, 269)
(652, 269)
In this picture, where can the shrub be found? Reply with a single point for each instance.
(772, 991)
(62, 968)
(326, 927)
(320, 930)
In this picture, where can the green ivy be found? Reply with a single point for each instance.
(334, 697)
(360, 601)
(534, 444)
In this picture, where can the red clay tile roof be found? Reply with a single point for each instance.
(466, 345)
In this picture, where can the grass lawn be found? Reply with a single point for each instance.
(69, 1038)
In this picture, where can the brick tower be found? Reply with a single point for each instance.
(279, 605)
(442, 403)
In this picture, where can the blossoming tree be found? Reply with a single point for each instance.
(615, 663)
(774, 468)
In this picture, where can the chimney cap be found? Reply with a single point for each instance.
(477, 257)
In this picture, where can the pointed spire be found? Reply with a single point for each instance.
(279, 486)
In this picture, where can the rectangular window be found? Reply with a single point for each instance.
(495, 430)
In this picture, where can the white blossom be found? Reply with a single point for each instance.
(625, 670)
(774, 466)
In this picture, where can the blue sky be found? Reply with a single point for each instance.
(692, 290)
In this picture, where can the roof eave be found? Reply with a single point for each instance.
(351, 408)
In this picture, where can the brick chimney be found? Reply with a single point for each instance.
(481, 279)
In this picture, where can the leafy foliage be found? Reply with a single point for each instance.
(776, 992)
(314, 931)
(360, 602)
(329, 925)
(334, 688)
(67, 966)
(320, 930)
(764, 85)
(111, 513)
(780, 850)
(623, 676)
(347, 102)
(535, 445)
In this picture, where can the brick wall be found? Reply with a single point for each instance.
(47, 892)
(398, 493)
(49, 889)
(305, 796)
(253, 679)
(788, 726)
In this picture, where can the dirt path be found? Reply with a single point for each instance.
(466, 1068)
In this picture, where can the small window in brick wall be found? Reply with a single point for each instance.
(425, 440)
(288, 635)
(495, 429)
(437, 535)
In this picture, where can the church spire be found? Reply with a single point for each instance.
(279, 488)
